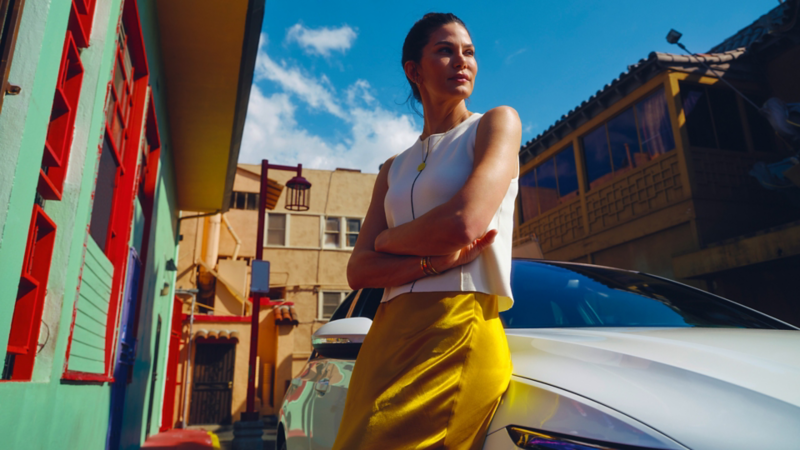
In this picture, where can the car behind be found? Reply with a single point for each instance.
(603, 358)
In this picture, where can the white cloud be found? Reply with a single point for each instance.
(515, 54)
(316, 92)
(372, 135)
(360, 90)
(322, 41)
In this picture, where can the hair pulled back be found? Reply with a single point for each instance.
(418, 37)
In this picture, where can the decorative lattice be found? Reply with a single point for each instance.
(723, 175)
(634, 195)
(556, 227)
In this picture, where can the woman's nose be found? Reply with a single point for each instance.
(459, 61)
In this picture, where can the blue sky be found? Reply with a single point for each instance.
(329, 90)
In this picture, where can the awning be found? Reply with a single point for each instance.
(215, 333)
(285, 315)
(208, 53)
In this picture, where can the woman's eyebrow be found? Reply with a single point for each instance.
(451, 44)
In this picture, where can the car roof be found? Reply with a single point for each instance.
(571, 263)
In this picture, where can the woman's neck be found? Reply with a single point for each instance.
(442, 118)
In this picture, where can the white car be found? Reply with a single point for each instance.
(603, 359)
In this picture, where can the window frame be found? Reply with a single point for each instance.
(265, 238)
(741, 109)
(116, 248)
(320, 303)
(533, 171)
(235, 195)
(342, 238)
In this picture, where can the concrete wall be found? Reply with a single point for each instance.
(46, 412)
(303, 268)
(163, 246)
(49, 412)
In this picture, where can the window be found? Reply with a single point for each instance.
(61, 128)
(353, 228)
(655, 131)
(27, 316)
(277, 294)
(328, 301)
(119, 105)
(630, 139)
(244, 200)
(716, 119)
(276, 229)
(25, 323)
(103, 196)
(550, 184)
(90, 348)
(333, 236)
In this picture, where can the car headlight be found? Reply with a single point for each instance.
(546, 440)
(543, 417)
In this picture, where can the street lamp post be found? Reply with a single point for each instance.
(297, 199)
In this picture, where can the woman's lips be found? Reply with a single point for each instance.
(460, 79)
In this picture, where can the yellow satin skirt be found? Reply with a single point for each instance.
(430, 374)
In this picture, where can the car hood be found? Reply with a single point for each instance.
(692, 384)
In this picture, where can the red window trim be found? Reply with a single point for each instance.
(116, 248)
(81, 18)
(150, 180)
(61, 129)
(27, 317)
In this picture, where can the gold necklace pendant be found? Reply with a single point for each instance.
(421, 166)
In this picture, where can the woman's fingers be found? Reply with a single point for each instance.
(472, 251)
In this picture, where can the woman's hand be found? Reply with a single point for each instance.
(465, 255)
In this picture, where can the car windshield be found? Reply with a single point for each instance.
(553, 295)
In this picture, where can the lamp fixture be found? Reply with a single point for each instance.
(298, 194)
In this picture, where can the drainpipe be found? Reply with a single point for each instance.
(193, 293)
(235, 236)
(212, 240)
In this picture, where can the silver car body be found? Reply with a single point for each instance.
(667, 388)
(701, 388)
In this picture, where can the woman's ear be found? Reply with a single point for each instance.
(412, 73)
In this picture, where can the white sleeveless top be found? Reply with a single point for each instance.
(448, 165)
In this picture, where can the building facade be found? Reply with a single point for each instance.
(653, 173)
(308, 253)
(95, 158)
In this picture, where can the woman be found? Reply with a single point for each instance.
(437, 236)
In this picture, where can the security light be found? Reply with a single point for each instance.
(673, 36)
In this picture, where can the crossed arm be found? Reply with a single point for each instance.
(453, 233)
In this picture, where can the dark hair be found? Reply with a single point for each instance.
(418, 37)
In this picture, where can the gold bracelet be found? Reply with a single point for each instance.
(430, 266)
(422, 266)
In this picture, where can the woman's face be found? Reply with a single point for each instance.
(448, 67)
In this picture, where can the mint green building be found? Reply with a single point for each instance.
(115, 115)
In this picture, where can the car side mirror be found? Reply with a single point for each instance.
(341, 339)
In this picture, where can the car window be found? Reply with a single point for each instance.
(341, 310)
(368, 304)
(551, 295)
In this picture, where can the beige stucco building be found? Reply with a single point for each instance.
(308, 253)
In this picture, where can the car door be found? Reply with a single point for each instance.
(298, 403)
(331, 389)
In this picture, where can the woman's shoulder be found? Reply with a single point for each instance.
(501, 115)
(501, 119)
